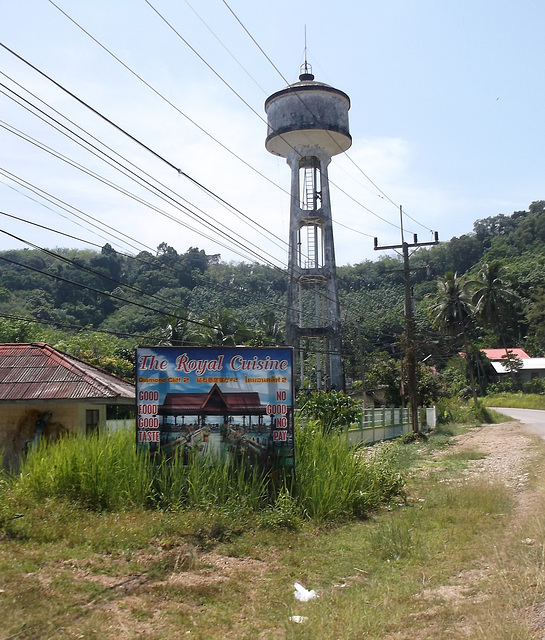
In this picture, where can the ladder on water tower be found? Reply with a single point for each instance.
(311, 246)
(310, 201)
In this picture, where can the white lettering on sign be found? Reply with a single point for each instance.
(238, 363)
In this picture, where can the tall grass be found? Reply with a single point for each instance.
(100, 471)
(517, 400)
(334, 481)
(450, 410)
(106, 472)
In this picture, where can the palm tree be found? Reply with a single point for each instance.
(452, 312)
(182, 329)
(495, 302)
(225, 329)
(273, 331)
(493, 299)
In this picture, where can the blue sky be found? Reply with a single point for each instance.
(446, 118)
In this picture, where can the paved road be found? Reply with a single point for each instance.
(532, 420)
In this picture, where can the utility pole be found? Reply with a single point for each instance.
(409, 316)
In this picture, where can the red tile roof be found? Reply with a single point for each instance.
(213, 402)
(36, 371)
(499, 354)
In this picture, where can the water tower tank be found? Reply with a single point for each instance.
(307, 115)
(307, 125)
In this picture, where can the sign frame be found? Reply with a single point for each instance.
(236, 401)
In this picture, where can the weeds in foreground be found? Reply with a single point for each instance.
(449, 411)
(334, 483)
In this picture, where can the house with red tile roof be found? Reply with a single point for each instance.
(529, 368)
(45, 392)
(213, 402)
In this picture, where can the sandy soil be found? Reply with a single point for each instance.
(510, 452)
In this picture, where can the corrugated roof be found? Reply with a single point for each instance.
(36, 371)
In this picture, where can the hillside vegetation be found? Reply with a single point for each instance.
(98, 305)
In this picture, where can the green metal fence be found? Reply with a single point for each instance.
(386, 423)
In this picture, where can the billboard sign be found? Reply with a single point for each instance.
(218, 401)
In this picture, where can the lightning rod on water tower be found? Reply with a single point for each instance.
(307, 125)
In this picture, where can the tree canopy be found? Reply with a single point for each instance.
(488, 284)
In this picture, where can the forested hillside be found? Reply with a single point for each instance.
(100, 305)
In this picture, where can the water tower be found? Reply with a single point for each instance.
(307, 125)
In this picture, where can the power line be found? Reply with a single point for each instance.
(226, 48)
(226, 84)
(202, 187)
(126, 133)
(220, 78)
(173, 165)
(78, 265)
(133, 176)
(92, 173)
(171, 104)
(110, 294)
(117, 282)
(325, 297)
(170, 315)
(65, 325)
(155, 91)
(255, 42)
(124, 191)
(64, 206)
(208, 281)
(41, 226)
(125, 285)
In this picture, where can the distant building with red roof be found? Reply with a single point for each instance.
(529, 369)
(499, 354)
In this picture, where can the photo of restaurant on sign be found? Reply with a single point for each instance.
(219, 402)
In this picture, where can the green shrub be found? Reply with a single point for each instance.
(537, 385)
(451, 410)
(506, 385)
(285, 513)
(333, 410)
